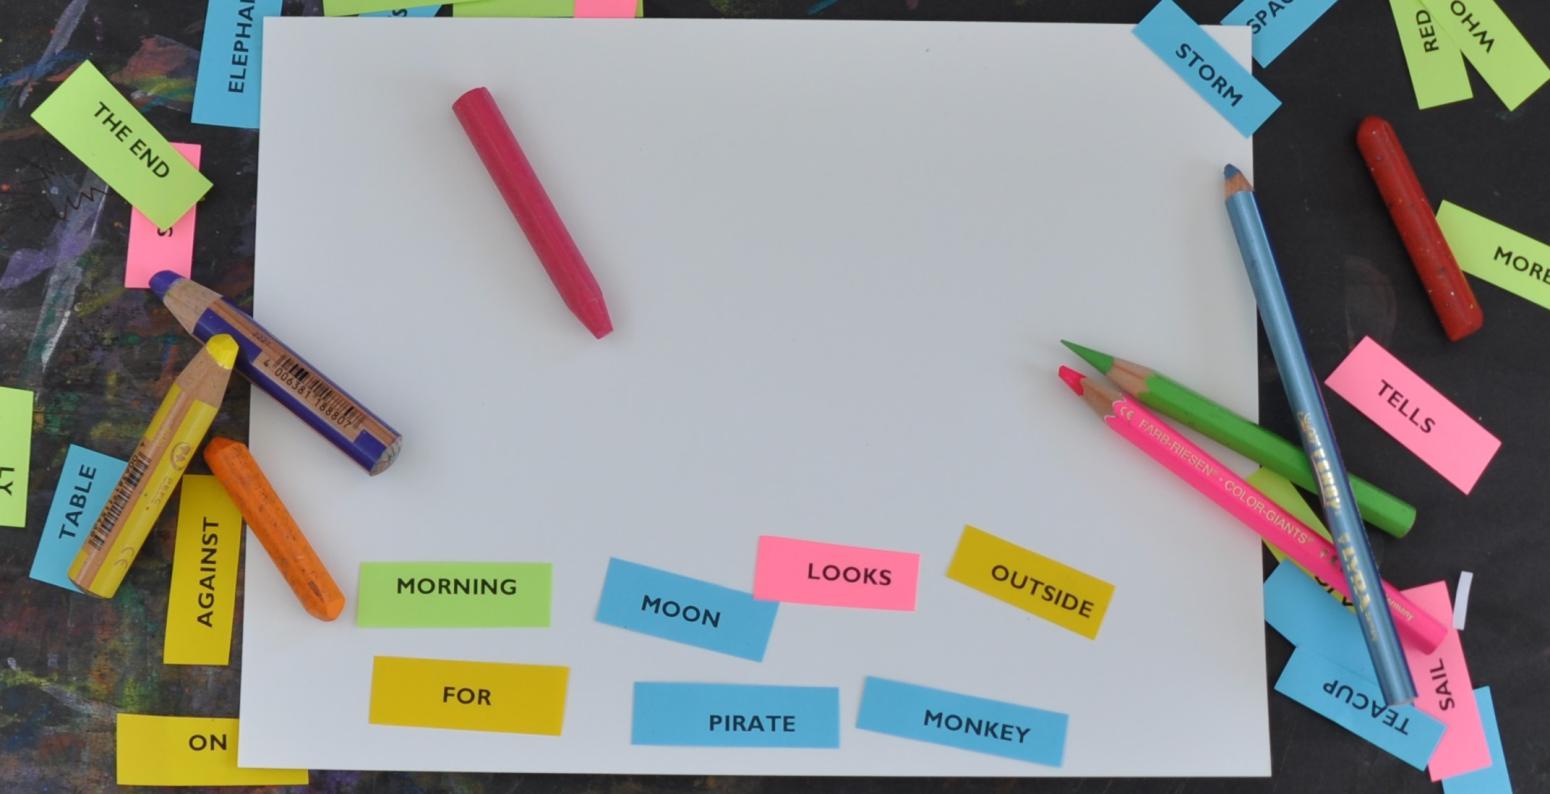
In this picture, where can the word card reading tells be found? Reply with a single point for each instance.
(15, 455)
(1494, 778)
(1445, 692)
(1497, 254)
(1415, 414)
(1436, 64)
(226, 91)
(1208, 68)
(681, 609)
(962, 721)
(152, 249)
(454, 595)
(188, 751)
(469, 696)
(201, 600)
(1355, 702)
(808, 572)
(735, 715)
(85, 482)
(1031, 582)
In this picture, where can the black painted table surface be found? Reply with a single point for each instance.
(99, 357)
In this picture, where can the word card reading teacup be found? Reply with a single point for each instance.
(652, 601)
(1355, 702)
(1031, 582)
(809, 572)
(735, 715)
(469, 696)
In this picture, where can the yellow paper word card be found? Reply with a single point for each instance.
(1031, 582)
(188, 751)
(204, 575)
(470, 696)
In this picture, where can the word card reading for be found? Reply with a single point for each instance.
(1031, 582)
(226, 90)
(1493, 44)
(188, 751)
(454, 594)
(1208, 69)
(1276, 23)
(681, 609)
(808, 572)
(469, 696)
(735, 715)
(1415, 414)
(202, 598)
(1355, 702)
(1496, 254)
(1436, 64)
(85, 482)
(1445, 692)
(152, 249)
(962, 721)
(97, 124)
(15, 455)
(1288, 498)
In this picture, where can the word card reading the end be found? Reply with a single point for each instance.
(188, 751)
(963, 721)
(735, 715)
(1031, 582)
(469, 696)
(678, 608)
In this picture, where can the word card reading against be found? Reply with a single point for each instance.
(735, 715)
(1031, 582)
(1497, 254)
(1208, 69)
(681, 609)
(1415, 414)
(469, 696)
(15, 455)
(188, 751)
(1355, 702)
(202, 598)
(962, 721)
(1445, 692)
(808, 572)
(1437, 73)
(454, 595)
(152, 249)
(85, 482)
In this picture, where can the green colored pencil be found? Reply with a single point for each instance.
(1177, 401)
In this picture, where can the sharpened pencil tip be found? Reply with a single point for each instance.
(1236, 181)
(1072, 378)
(1230, 171)
(1103, 362)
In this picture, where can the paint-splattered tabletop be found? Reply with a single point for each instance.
(99, 357)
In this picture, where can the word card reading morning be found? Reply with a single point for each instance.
(808, 572)
(453, 595)
(962, 721)
(735, 715)
(469, 696)
(1031, 582)
(188, 751)
(85, 482)
(678, 608)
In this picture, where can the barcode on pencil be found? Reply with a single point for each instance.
(318, 393)
(138, 464)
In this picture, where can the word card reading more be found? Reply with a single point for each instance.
(15, 455)
(735, 715)
(1208, 69)
(226, 89)
(1276, 23)
(1415, 414)
(1031, 582)
(1494, 778)
(454, 595)
(808, 572)
(681, 609)
(1493, 44)
(188, 751)
(1437, 73)
(1355, 702)
(962, 721)
(152, 249)
(1445, 692)
(468, 696)
(85, 482)
(98, 125)
(203, 595)
(1496, 254)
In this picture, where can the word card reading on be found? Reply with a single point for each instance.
(1288, 498)
(97, 124)
(152, 249)
(1355, 702)
(203, 595)
(1445, 692)
(1496, 254)
(1415, 414)
(15, 455)
(962, 721)
(468, 696)
(1276, 23)
(85, 482)
(735, 715)
(454, 595)
(1208, 68)
(1493, 44)
(226, 90)
(809, 572)
(1031, 582)
(1437, 73)
(1494, 778)
(678, 608)
(188, 751)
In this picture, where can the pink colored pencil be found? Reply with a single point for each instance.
(535, 213)
(1245, 502)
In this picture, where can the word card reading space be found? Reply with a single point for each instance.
(735, 715)
(1208, 69)
(1415, 414)
(188, 751)
(1497, 254)
(453, 594)
(203, 595)
(85, 482)
(1355, 702)
(1445, 692)
(808, 572)
(962, 721)
(1276, 23)
(1031, 582)
(1437, 73)
(678, 608)
(15, 455)
(469, 696)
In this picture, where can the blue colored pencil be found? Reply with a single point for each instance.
(1318, 440)
(282, 372)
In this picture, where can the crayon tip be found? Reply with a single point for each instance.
(1072, 378)
(163, 281)
(223, 349)
(1103, 362)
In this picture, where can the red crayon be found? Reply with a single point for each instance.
(1445, 284)
(530, 203)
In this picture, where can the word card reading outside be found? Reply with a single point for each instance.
(735, 715)
(962, 721)
(1031, 582)
(808, 572)
(469, 696)
(188, 751)
(202, 598)
(681, 609)
(453, 595)
(85, 482)
(1355, 702)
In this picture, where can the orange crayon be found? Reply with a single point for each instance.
(234, 466)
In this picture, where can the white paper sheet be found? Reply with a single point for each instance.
(839, 257)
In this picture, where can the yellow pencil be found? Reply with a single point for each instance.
(154, 469)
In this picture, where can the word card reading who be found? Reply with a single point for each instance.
(1031, 582)
(962, 721)
(470, 696)
(202, 598)
(807, 572)
(454, 595)
(735, 715)
(188, 751)
(681, 609)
